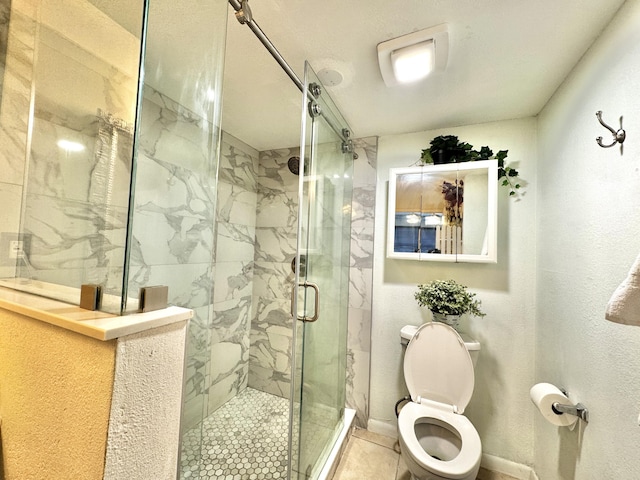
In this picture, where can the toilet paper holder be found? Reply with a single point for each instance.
(577, 410)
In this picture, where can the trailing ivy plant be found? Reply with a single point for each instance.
(452, 150)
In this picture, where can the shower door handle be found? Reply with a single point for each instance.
(316, 306)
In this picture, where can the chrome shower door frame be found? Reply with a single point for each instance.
(321, 305)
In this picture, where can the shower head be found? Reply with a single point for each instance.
(294, 165)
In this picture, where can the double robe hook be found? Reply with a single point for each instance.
(618, 135)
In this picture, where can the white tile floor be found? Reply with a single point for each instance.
(245, 439)
(371, 456)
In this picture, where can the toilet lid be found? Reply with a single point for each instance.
(438, 367)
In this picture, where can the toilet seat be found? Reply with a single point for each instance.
(438, 367)
(439, 374)
(471, 448)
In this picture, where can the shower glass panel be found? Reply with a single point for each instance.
(324, 241)
(172, 231)
(69, 88)
(79, 130)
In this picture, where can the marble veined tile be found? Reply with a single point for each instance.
(364, 175)
(270, 367)
(67, 234)
(370, 147)
(171, 239)
(228, 386)
(235, 242)
(199, 333)
(16, 97)
(273, 280)
(360, 281)
(11, 200)
(357, 391)
(270, 311)
(195, 386)
(172, 134)
(362, 247)
(231, 318)
(277, 209)
(359, 335)
(190, 285)
(363, 206)
(236, 204)
(109, 278)
(228, 356)
(233, 280)
(273, 170)
(238, 163)
(275, 244)
(167, 188)
(79, 175)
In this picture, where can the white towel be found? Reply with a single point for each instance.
(624, 306)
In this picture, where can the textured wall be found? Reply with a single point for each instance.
(55, 397)
(144, 430)
(588, 231)
(500, 408)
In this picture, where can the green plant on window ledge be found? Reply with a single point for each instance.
(449, 149)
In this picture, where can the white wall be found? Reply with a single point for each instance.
(500, 408)
(588, 237)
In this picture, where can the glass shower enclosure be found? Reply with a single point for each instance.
(323, 280)
(110, 124)
(111, 175)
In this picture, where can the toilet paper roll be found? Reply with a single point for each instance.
(543, 396)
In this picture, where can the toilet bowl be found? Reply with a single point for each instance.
(436, 440)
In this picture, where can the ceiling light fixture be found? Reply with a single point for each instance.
(414, 56)
(70, 146)
(412, 218)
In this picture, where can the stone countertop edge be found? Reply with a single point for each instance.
(98, 325)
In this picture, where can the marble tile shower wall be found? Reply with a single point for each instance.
(232, 307)
(173, 226)
(75, 203)
(270, 363)
(360, 278)
(14, 117)
(275, 248)
(175, 243)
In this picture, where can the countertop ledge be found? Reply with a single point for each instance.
(98, 325)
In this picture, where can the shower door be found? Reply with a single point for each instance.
(319, 377)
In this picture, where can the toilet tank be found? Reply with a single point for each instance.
(473, 346)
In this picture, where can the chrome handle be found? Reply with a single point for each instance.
(316, 312)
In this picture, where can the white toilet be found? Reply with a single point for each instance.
(436, 440)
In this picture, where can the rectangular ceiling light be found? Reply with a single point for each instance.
(414, 62)
(412, 57)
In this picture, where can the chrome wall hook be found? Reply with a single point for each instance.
(618, 135)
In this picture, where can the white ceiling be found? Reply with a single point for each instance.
(506, 59)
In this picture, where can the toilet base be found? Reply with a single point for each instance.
(418, 472)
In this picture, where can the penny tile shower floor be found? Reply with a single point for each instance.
(245, 439)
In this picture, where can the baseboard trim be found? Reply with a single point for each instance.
(382, 428)
(501, 465)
